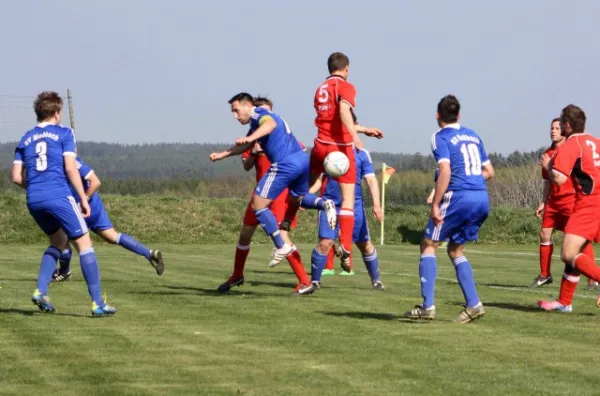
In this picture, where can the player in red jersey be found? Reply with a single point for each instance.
(578, 159)
(255, 158)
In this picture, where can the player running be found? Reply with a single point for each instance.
(577, 159)
(459, 209)
(255, 158)
(47, 152)
(289, 169)
(360, 235)
(554, 210)
(100, 223)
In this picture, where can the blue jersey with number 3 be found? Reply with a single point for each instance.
(42, 151)
(464, 150)
(279, 144)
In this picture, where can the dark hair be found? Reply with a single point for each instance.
(241, 97)
(555, 120)
(337, 61)
(448, 109)
(47, 104)
(574, 116)
(262, 100)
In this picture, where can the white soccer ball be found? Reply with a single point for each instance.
(336, 164)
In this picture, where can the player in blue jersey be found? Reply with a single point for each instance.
(100, 223)
(47, 154)
(430, 198)
(360, 235)
(459, 208)
(289, 169)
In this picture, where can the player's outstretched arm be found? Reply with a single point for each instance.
(17, 174)
(371, 132)
(94, 186)
(373, 185)
(233, 150)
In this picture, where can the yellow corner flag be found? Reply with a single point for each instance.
(386, 174)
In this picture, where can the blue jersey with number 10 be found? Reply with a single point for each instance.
(464, 150)
(41, 151)
(280, 144)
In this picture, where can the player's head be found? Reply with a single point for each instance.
(448, 110)
(48, 107)
(555, 132)
(241, 107)
(263, 101)
(572, 120)
(338, 63)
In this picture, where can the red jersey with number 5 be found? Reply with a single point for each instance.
(327, 104)
(565, 191)
(579, 159)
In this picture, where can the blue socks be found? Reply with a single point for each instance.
(131, 244)
(464, 274)
(65, 260)
(47, 268)
(91, 273)
(311, 201)
(268, 222)
(372, 264)
(427, 274)
(318, 264)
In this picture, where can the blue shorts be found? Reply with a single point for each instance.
(360, 233)
(464, 213)
(293, 173)
(54, 214)
(99, 219)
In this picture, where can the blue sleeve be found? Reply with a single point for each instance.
(366, 164)
(485, 160)
(19, 154)
(439, 148)
(69, 147)
(83, 168)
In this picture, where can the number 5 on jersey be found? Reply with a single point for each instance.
(41, 162)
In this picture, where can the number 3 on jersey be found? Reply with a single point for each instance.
(472, 159)
(41, 162)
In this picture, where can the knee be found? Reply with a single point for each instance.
(455, 250)
(428, 246)
(324, 246)
(545, 235)
(568, 256)
(366, 248)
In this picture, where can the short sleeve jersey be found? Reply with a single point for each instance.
(579, 159)
(463, 149)
(281, 143)
(42, 151)
(327, 105)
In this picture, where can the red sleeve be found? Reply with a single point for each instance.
(347, 92)
(566, 156)
(247, 154)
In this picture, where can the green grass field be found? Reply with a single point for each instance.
(174, 336)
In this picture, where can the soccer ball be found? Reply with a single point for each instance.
(336, 164)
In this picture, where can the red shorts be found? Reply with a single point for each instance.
(557, 213)
(320, 151)
(278, 207)
(585, 221)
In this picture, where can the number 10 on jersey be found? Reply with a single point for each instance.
(471, 158)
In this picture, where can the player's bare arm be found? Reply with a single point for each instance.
(75, 180)
(556, 177)
(440, 189)
(539, 212)
(348, 121)
(266, 127)
(373, 185)
(233, 150)
(94, 184)
(368, 131)
(17, 174)
(488, 171)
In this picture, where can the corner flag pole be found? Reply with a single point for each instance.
(71, 115)
(383, 168)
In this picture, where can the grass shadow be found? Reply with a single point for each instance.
(504, 285)
(35, 312)
(363, 315)
(409, 235)
(514, 306)
(196, 291)
(286, 273)
(275, 284)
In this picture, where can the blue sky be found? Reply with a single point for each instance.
(156, 71)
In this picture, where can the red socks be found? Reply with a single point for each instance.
(346, 221)
(296, 263)
(546, 249)
(241, 254)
